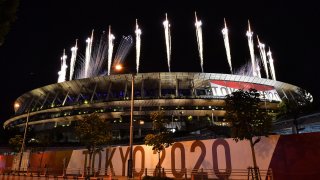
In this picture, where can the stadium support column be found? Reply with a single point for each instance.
(193, 92)
(125, 90)
(142, 88)
(109, 91)
(159, 87)
(94, 92)
(65, 98)
(177, 87)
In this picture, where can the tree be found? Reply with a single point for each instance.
(8, 9)
(15, 143)
(296, 107)
(161, 138)
(93, 132)
(243, 110)
(6, 134)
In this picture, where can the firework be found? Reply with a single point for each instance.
(88, 54)
(110, 49)
(74, 50)
(273, 74)
(226, 44)
(198, 25)
(251, 49)
(138, 45)
(62, 72)
(123, 49)
(167, 35)
(263, 56)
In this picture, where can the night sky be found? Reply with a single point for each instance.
(30, 57)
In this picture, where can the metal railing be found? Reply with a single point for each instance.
(98, 173)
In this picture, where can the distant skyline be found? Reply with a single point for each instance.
(30, 57)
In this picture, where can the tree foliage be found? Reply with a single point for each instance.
(245, 111)
(15, 143)
(93, 132)
(159, 141)
(249, 119)
(297, 105)
(161, 138)
(159, 121)
(8, 9)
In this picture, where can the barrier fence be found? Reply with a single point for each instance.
(108, 174)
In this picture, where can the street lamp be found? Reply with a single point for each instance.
(212, 117)
(130, 164)
(23, 141)
(118, 67)
(141, 123)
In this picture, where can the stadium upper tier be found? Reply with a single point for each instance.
(193, 94)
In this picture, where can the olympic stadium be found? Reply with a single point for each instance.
(192, 101)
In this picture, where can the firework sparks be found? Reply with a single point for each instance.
(273, 74)
(99, 54)
(73, 59)
(110, 49)
(97, 60)
(62, 72)
(138, 45)
(167, 35)
(123, 49)
(263, 56)
(88, 54)
(226, 44)
(251, 49)
(257, 63)
(198, 25)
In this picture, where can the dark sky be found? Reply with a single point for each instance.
(30, 57)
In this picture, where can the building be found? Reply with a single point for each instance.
(192, 101)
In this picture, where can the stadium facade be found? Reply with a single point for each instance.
(191, 101)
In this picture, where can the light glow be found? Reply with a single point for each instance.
(118, 67)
